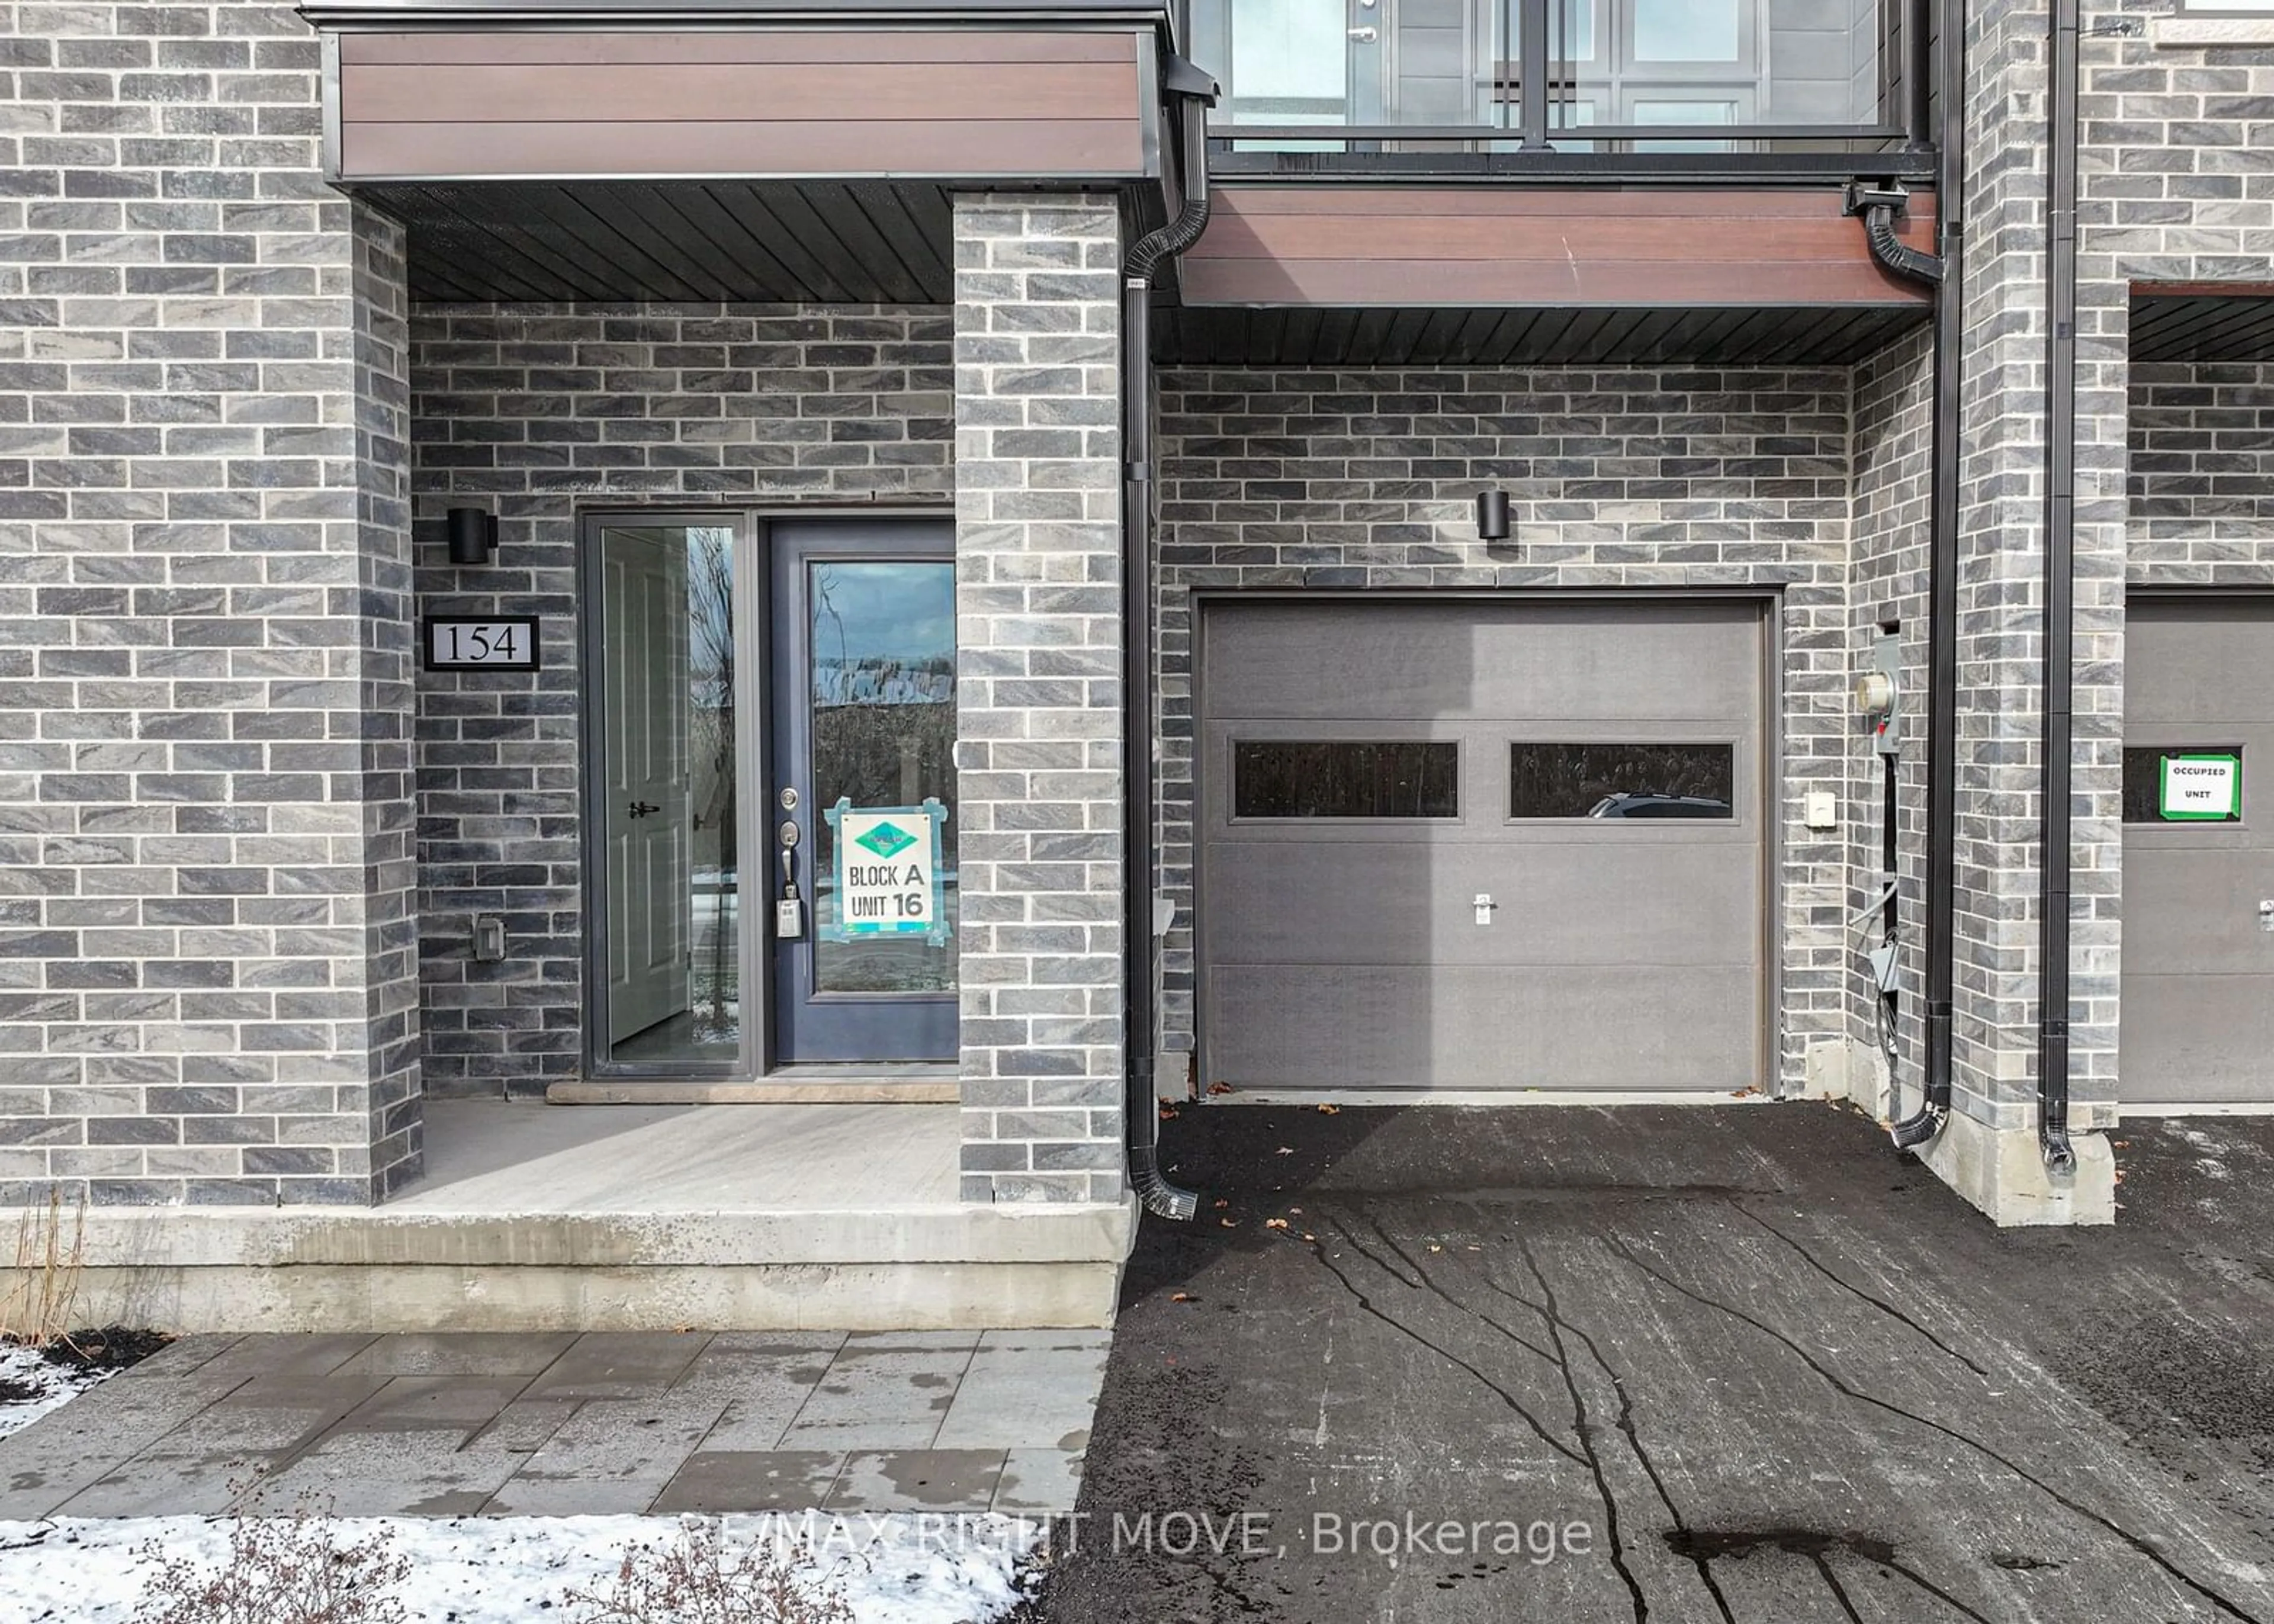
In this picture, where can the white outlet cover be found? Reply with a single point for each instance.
(1821, 810)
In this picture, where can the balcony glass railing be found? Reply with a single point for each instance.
(1598, 75)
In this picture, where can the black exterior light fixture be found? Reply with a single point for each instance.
(473, 536)
(1492, 516)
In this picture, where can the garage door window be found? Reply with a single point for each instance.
(1346, 778)
(1622, 781)
(2215, 771)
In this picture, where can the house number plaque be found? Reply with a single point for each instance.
(479, 642)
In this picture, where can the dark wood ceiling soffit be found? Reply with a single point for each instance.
(969, 104)
(862, 242)
(2202, 321)
(1359, 247)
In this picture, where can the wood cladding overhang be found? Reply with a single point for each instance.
(965, 104)
(1419, 247)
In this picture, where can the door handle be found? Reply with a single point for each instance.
(1366, 36)
(641, 808)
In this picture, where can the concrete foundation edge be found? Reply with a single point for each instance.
(511, 1298)
(2002, 1171)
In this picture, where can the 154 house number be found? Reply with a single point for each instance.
(480, 642)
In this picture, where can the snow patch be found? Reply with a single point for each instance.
(907, 1569)
(53, 1385)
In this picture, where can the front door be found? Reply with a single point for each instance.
(860, 805)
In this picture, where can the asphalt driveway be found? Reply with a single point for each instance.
(1713, 1364)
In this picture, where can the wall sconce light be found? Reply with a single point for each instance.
(473, 536)
(1492, 516)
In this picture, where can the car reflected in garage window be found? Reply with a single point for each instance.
(1555, 779)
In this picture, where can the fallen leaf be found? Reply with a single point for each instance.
(1168, 1111)
(1222, 1202)
(1181, 1297)
(1285, 1150)
(1274, 1223)
(1331, 1110)
(1308, 1236)
(1219, 1089)
(1229, 1223)
(1434, 1247)
(1295, 1212)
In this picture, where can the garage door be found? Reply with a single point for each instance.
(2198, 1009)
(1482, 845)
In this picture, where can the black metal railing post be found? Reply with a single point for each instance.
(1531, 73)
(1918, 74)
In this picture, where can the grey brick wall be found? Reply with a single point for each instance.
(204, 941)
(2201, 470)
(1892, 450)
(535, 412)
(1038, 625)
(1366, 479)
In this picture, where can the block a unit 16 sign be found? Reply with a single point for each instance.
(887, 871)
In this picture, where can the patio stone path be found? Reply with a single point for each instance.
(571, 1424)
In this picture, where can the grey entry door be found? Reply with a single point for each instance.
(864, 726)
(1483, 844)
(2198, 984)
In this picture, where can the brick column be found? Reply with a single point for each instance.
(205, 946)
(1989, 1150)
(1038, 630)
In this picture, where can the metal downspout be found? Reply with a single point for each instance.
(1944, 271)
(2053, 856)
(1195, 92)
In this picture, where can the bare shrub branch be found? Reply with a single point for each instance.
(278, 1570)
(700, 1577)
(50, 1253)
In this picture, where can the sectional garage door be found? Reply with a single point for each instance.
(1478, 845)
(2198, 993)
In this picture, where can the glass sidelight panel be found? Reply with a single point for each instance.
(667, 806)
(884, 735)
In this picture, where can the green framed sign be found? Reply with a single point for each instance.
(2200, 789)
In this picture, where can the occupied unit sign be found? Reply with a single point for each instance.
(480, 642)
(2201, 788)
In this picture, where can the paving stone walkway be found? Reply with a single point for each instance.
(569, 1425)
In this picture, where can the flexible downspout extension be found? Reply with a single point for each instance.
(2053, 856)
(1194, 93)
(1943, 272)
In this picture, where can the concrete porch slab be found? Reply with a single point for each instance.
(536, 1218)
